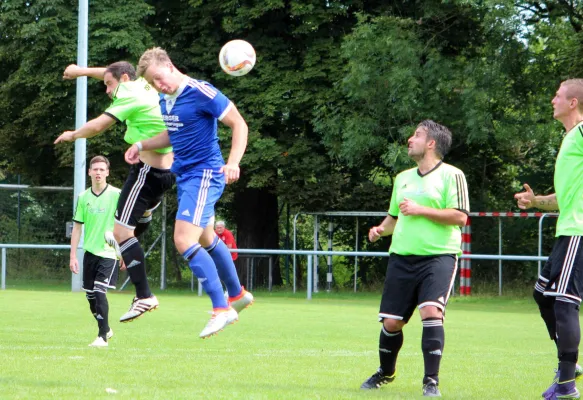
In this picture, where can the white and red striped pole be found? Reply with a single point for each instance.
(466, 264)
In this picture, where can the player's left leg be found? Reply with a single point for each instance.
(436, 276)
(143, 188)
(144, 221)
(106, 278)
(566, 285)
(197, 195)
(239, 298)
(398, 303)
(89, 273)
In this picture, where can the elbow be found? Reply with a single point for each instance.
(463, 219)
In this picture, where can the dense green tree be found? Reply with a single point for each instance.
(38, 39)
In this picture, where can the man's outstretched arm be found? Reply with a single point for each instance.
(88, 130)
(74, 71)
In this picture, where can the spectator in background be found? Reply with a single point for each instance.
(226, 236)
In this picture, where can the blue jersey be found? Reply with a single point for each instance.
(191, 116)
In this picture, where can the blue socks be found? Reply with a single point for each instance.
(220, 254)
(203, 267)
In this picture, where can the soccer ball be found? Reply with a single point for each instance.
(237, 57)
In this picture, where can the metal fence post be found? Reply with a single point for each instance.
(540, 241)
(270, 272)
(316, 243)
(310, 281)
(356, 257)
(3, 285)
(295, 245)
(500, 253)
(247, 277)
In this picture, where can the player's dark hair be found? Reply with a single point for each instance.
(117, 69)
(97, 159)
(440, 134)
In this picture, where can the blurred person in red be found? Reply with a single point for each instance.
(226, 236)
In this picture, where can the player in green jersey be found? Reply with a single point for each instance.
(134, 102)
(429, 205)
(559, 288)
(95, 209)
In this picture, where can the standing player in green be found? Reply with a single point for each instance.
(135, 102)
(559, 288)
(95, 209)
(428, 206)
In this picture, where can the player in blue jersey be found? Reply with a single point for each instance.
(191, 109)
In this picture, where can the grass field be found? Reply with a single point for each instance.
(284, 347)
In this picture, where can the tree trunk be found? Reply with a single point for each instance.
(256, 215)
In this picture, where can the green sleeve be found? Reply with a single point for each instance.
(122, 108)
(80, 211)
(394, 205)
(457, 192)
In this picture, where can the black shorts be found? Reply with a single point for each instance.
(413, 281)
(141, 192)
(562, 275)
(99, 273)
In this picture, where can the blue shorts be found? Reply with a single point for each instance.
(198, 191)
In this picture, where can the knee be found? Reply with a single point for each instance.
(430, 312)
(206, 239)
(393, 325)
(121, 233)
(180, 244)
(183, 242)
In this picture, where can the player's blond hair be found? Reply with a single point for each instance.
(575, 91)
(155, 55)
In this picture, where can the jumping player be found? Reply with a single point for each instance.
(191, 109)
(135, 102)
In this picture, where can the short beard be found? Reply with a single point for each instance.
(417, 157)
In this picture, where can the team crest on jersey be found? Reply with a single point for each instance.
(95, 210)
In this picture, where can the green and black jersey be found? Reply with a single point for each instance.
(138, 105)
(444, 187)
(97, 212)
(569, 183)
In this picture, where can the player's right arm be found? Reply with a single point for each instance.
(74, 71)
(75, 238)
(527, 199)
(88, 130)
(386, 228)
(159, 141)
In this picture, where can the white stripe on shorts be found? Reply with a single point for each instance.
(568, 264)
(452, 280)
(133, 196)
(202, 196)
(389, 316)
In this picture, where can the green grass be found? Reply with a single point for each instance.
(284, 347)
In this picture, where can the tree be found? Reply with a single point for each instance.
(38, 40)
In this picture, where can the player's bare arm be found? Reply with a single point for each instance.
(160, 141)
(75, 238)
(448, 216)
(386, 228)
(74, 71)
(88, 130)
(528, 199)
(235, 121)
